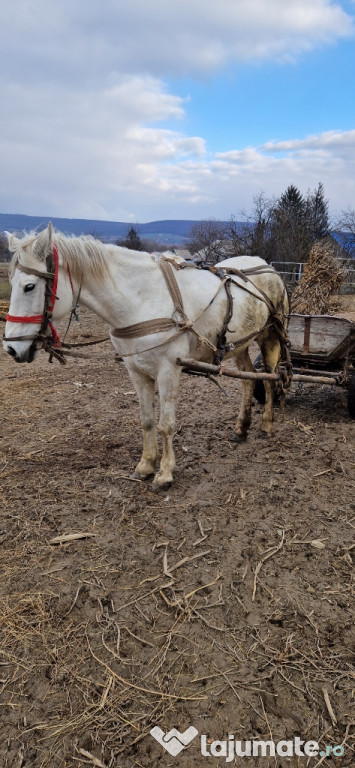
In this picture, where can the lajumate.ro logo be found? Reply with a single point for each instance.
(174, 742)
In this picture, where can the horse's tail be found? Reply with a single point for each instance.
(287, 303)
(281, 319)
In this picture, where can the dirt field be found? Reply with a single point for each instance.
(224, 603)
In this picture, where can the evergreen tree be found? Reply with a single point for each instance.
(296, 223)
(288, 225)
(132, 240)
(317, 213)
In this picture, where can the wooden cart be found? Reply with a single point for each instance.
(324, 345)
(322, 352)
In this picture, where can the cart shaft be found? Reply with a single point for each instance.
(207, 368)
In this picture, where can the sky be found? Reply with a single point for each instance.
(138, 110)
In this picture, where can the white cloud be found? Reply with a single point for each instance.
(87, 129)
(86, 39)
(90, 152)
(98, 154)
(338, 141)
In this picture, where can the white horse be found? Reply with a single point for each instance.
(151, 324)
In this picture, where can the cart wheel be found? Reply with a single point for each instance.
(351, 397)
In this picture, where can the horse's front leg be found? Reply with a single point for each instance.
(145, 388)
(168, 384)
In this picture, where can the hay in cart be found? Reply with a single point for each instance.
(321, 280)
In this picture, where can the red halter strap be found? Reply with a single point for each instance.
(27, 319)
(37, 319)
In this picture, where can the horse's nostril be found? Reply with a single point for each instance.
(12, 351)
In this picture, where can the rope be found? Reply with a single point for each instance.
(85, 343)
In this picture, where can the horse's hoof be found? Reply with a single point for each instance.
(158, 486)
(139, 476)
(265, 435)
(235, 438)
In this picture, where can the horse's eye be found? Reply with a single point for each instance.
(29, 287)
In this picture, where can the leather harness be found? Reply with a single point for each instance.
(226, 275)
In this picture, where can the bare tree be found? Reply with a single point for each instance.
(153, 246)
(346, 230)
(5, 254)
(251, 234)
(207, 236)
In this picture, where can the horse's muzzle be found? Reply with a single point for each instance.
(23, 356)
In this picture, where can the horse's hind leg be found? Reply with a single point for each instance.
(244, 418)
(168, 384)
(145, 388)
(270, 350)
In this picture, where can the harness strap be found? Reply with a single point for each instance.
(159, 324)
(263, 297)
(146, 328)
(26, 319)
(53, 261)
(33, 271)
(259, 269)
(243, 274)
(163, 324)
(221, 338)
(174, 290)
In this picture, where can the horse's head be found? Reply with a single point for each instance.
(35, 283)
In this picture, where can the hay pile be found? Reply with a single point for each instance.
(4, 308)
(322, 277)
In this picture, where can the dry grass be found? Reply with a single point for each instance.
(5, 290)
(322, 277)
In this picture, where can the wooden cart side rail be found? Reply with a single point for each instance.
(304, 326)
(346, 349)
(206, 368)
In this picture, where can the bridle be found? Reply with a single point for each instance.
(50, 342)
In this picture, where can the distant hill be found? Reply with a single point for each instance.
(169, 232)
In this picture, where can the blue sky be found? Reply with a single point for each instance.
(182, 109)
(252, 103)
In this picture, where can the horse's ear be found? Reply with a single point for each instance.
(50, 235)
(44, 242)
(12, 240)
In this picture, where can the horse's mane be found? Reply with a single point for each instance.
(84, 255)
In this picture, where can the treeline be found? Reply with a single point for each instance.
(279, 230)
(282, 229)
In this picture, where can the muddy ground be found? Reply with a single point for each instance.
(224, 603)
